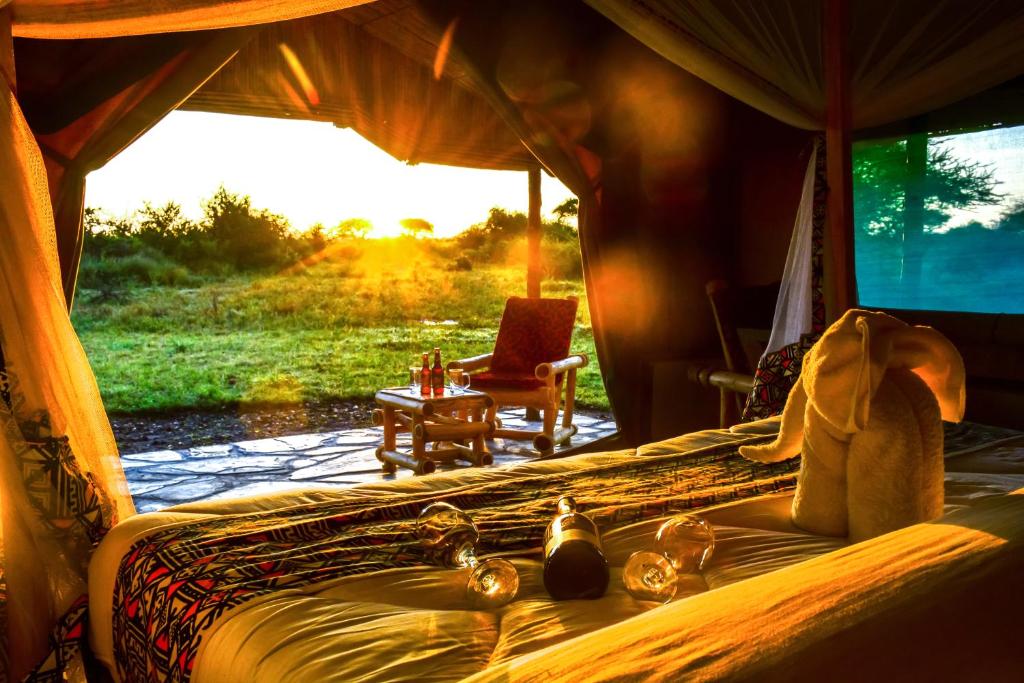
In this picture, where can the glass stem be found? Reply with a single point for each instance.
(466, 557)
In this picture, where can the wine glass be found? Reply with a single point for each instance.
(682, 545)
(450, 537)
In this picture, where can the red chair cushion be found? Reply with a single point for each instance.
(482, 381)
(532, 331)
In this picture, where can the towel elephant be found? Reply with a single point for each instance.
(866, 414)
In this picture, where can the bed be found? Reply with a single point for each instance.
(936, 600)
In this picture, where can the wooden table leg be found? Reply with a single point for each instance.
(481, 456)
(419, 447)
(389, 439)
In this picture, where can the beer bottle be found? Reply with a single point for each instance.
(574, 564)
(425, 376)
(437, 374)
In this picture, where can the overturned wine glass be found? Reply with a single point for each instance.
(682, 545)
(450, 537)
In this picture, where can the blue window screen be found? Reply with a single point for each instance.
(939, 221)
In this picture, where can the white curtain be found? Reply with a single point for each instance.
(112, 18)
(793, 309)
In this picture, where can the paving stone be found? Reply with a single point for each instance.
(332, 450)
(210, 451)
(238, 464)
(360, 437)
(132, 464)
(142, 489)
(155, 456)
(194, 490)
(332, 467)
(303, 442)
(150, 504)
(262, 446)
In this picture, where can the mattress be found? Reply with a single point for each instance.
(770, 590)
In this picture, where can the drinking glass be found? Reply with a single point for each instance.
(458, 380)
(414, 379)
(450, 537)
(682, 545)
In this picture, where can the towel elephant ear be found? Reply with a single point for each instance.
(929, 355)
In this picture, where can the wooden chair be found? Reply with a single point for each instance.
(743, 316)
(531, 366)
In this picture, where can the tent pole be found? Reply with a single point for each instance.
(533, 235)
(841, 285)
(7, 49)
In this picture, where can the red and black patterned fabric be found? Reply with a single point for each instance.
(777, 371)
(174, 583)
(66, 641)
(66, 502)
(532, 331)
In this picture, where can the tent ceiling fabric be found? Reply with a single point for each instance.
(906, 58)
(338, 68)
(116, 18)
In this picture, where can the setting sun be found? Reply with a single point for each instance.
(307, 171)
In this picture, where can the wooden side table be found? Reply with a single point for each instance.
(451, 417)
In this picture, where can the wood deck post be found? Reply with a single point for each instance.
(533, 239)
(7, 49)
(533, 236)
(841, 287)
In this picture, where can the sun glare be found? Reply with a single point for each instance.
(309, 172)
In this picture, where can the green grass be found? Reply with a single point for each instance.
(339, 329)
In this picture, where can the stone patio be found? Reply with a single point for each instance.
(164, 478)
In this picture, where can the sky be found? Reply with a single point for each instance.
(1001, 150)
(307, 171)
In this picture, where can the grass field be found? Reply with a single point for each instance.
(337, 329)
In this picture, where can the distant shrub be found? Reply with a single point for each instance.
(461, 263)
(248, 238)
(562, 261)
(146, 267)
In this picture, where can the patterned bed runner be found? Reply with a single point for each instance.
(174, 583)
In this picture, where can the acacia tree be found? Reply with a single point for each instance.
(417, 226)
(886, 176)
(353, 228)
(903, 191)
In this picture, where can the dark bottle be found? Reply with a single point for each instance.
(437, 374)
(574, 564)
(425, 376)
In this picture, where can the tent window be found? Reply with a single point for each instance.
(939, 221)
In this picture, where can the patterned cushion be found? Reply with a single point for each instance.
(532, 331)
